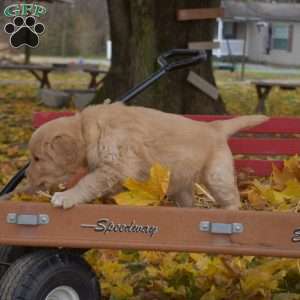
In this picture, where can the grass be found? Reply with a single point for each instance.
(240, 96)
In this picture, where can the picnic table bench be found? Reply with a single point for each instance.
(41, 72)
(264, 87)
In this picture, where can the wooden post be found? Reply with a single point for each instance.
(203, 85)
(199, 13)
(27, 54)
(218, 52)
(244, 52)
(220, 30)
(204, 45)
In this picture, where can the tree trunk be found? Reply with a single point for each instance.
(140, 31)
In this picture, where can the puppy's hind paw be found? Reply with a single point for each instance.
(62, 199)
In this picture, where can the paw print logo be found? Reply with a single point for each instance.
(24, 32)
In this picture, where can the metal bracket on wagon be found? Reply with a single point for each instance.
(169, 61)
(27, 219)
(221, 228)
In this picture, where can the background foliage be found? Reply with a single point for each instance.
(71, 30)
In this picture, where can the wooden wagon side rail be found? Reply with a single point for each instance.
(275, 125)
(152, 228)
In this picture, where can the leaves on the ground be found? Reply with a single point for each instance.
(281, 192)
(192, 276)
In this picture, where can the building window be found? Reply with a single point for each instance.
(229, 30)
(282, 37)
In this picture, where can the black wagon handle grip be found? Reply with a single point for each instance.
(181, 58)
(169, 61)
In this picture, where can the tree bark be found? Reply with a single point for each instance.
(141, 30)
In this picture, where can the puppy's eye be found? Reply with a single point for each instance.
(36, 158)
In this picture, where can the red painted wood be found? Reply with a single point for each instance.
(264, 146)
(40, 118)
(208, 118)
(259, 167)
(274, 125)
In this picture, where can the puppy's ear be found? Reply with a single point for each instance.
(63, 148)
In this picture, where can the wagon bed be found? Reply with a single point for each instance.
(168, 228)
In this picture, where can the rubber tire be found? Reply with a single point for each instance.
(34, 276)
(9, 254)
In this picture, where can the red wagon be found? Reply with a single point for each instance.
(41, 259)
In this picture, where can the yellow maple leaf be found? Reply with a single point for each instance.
(29, 198)
(256, 200)
(292, 189)
(292, 165)
(121, 291)
(215, 293)
(152, 271)
(150, 192)
(178, 291)
(280, 177)
(266, 277)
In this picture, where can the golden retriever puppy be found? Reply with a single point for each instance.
(116, 142)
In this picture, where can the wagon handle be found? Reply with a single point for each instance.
(14, 181)
(181, 58)
(169, 61)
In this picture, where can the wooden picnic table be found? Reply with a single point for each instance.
(41, 72)
(94, 73)
(264, 87)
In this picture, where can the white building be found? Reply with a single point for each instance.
(270, 32)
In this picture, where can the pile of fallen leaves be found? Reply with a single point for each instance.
(280, 192)
(19, 98)
(158, 275)
(15, 129)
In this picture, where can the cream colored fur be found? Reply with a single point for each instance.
(116, 141)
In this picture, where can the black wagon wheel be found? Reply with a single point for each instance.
(50, 275)
(9, 254)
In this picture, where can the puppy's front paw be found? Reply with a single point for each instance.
(5, 197)
(63, 199)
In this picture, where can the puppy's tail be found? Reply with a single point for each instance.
(231, 126)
